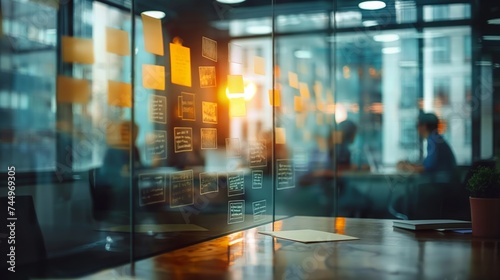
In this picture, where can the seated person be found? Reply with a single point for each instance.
(112, 180)
(440, 161)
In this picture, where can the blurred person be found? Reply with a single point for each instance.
(440, 160)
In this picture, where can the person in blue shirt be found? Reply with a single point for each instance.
(440, 159)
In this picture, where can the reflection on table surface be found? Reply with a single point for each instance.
(381, 252)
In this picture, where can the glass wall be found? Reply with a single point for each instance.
(138, 127)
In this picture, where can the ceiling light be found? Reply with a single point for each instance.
(303, 54)
(369, 23)
(259, 29)
(371, 5)
(491, 38)
(494, 21)
(391, 50)
(230, 1)
(386, 38)
(154, 14)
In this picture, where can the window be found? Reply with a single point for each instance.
(467, 48)
(441, 50)
(408, 134)
(440, 12)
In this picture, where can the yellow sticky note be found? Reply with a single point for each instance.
(280, 135)
(153, 35)
(235, 84)
(304, 90)
(297, 102)
(117, 41)
(293, 80)
(153, 76)
(259, 65)
(277, 97)
(180, 65)
(119, 94)
(71, 90)
(77, 50)
(237, 107)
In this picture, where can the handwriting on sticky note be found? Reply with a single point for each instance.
(77, 50)
(259, 210)
(257, 153)
(236, 211)
(209, 183)
(117, 41)
(209, 112)
(151, 188)
(119, 94)
(257, 179)
(285, 174)
(71, 90)
(153, 76)
(188, 107)
(183, 139)
(181, 189)
(208, 138)
(158, 109)
(153, 35)
(180, 65)
(157, 149)
(208, 77)
(235, 184)
(209, 48)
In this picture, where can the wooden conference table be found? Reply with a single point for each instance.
(382, 252)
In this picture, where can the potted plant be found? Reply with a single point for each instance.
(484, 188)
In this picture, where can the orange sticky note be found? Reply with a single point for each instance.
(119, 94)
(297, 102)
(304, 90)
(280, 135)
(153, 76)
(71, 90)
(293, 80)
(238, 107)
(117, 41)
(235, 84)
(259, 65)
(180, 65)
(277, 97)
(77, 50)
(153, 35)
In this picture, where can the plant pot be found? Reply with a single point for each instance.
(485, 213)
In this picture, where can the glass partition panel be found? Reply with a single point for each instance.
(204, 122)
(65, 134)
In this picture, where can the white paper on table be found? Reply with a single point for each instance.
(309, 235)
